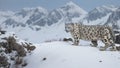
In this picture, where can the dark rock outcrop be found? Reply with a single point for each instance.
(117, 39)
(13, 50)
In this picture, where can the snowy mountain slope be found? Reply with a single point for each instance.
(100, 12)
(4, 15)
(104, 15)
(98, 21)
(68, 11)
(64, 55)
(72, 8)
(26, 16)
(114, 19)
(53, 32)
(38, 14)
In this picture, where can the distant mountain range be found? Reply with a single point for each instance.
(104, 15)
(68, 13)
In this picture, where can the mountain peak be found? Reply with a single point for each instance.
(70, 3)
(73, 7)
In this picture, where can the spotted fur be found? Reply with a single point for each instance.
(91, 33)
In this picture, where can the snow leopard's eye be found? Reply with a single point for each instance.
(67, 29)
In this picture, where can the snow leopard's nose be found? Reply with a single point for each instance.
(66, 30)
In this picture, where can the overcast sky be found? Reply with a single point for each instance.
(52, 4)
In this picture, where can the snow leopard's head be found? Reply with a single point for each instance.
(69, 27)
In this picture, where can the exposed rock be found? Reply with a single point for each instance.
(118, 48)
(29, 47)
(68, 39)
(13, 50)
(117, 39)
(44, 59)
(4, 62)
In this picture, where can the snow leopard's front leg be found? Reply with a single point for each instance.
(76, 41)
(94, 42)
(76, 34)
(76, 38)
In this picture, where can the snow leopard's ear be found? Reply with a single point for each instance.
(71, 23)
(66, 23)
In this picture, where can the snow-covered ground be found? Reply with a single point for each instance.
(59, 54)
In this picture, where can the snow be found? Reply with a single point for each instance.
(76, 8)
(40, 9)
(60, 54)
(53, 32)
(108, 7)
(100, 21)
(4, 15)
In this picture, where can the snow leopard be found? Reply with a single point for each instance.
(92, 33)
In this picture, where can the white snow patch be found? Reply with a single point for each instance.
(65, 55)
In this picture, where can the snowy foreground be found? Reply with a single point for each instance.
(58, 54)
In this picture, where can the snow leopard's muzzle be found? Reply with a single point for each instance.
(67, 29)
